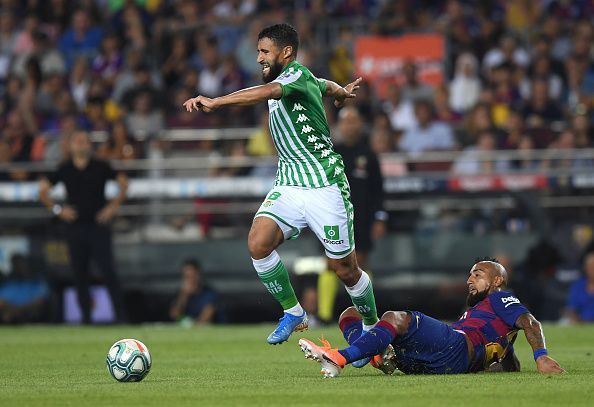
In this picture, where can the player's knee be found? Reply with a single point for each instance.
(259, 248)
(350, 312)
(398, 319)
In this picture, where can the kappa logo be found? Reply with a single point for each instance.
(307, 129)
(302, 118)
(298, 107)
(509, 301)
(332, 233)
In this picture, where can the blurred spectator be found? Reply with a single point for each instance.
(560, 42)
(18, 137)
(583, 130)
(233, 77)
(120, 145)
(428, 135)
(12, 93)
(24, 39)
(412, 88)
(541, 68)
(181, 118)
(540, 106)
(527, 161)
(109, 62)
(23, 295)
(380, 141)
(95, 113)
(443, 112)
(210, 77)
(508, 52)
(144, 119)
(580, 302)
(400, 111)
(465, 88)
(580, 83)
(142, 84)
(562, 153)
(514, 131)
(176, 62)
(6, 158)
(196, 302)
(476, 160)
(83, 39)
(79, 81)
(8, 35)
(476, 120)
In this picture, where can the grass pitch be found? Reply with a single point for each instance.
(233, 365)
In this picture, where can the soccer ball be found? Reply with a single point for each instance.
(128, 360)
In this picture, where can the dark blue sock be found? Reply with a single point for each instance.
(351, 328)
(370, 343)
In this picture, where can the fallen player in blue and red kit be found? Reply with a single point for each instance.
(482, 339)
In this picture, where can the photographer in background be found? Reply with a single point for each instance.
(196, 303)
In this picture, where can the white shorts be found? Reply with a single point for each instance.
(327, 211)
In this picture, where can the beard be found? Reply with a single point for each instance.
(273, 73)
(473, 299)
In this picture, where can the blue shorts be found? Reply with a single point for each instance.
(430, 347)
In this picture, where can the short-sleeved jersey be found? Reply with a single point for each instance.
(301, 133)
(490, 326)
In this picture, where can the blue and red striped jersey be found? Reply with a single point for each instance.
(490, 325)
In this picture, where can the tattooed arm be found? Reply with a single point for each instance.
(535, 337)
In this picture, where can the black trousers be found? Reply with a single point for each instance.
(86, 242)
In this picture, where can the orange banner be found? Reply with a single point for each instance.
(380, 59)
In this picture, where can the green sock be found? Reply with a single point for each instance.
(276, 280)
(363, 299)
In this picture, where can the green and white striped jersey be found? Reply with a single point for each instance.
(301, 133)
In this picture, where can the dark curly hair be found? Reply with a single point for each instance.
(283, 35)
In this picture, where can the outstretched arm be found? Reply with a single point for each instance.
(535, 337)
(339, 93)
(243, 97)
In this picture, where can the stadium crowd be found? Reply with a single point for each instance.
(519, 75)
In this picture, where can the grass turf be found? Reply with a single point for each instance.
(233, 365)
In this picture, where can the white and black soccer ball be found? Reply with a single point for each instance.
(128, 360)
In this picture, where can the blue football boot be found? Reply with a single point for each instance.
(287, 325)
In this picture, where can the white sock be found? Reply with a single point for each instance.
(360, 286)
(296, 310)
(267, 263)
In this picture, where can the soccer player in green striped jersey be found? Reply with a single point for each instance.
(311, 189)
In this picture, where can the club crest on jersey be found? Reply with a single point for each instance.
(509, 301)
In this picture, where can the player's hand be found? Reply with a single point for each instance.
(348, 92)
(68, 214)
(106, 214)
(201, 103)
(378, 229)
(548, 365)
